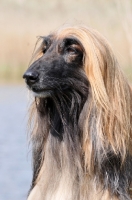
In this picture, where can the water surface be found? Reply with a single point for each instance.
(15, 158)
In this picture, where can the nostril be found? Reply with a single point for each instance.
(31, 76)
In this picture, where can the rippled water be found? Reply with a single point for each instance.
(15, 158)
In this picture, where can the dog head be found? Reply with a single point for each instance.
(59, 68)
(72, 58)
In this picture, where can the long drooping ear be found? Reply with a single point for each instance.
(111, 99)
(108, 111)
(111, 94)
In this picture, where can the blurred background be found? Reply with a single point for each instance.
(21, 22)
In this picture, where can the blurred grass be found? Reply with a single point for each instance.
(22, 21)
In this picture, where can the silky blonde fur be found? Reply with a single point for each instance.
(107, 111)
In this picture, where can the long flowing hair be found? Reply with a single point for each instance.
(97, 133)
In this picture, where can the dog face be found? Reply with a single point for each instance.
(59, 68)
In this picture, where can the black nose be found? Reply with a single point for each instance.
(31, 76)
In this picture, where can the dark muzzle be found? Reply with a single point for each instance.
(31, 77)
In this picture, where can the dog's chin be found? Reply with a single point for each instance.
(42, 94)
(39, 92)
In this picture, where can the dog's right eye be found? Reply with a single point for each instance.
(46, 45)
(44, 49)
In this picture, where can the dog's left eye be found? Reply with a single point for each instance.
(71, 50)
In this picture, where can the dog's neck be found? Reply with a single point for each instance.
(61, 150)
(58, 126)
(63, 114)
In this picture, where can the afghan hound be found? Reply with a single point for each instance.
(81, 119)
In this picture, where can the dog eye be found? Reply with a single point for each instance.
(71, 50)
(44, 49)
(46, 44)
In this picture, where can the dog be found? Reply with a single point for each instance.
(81, 119)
